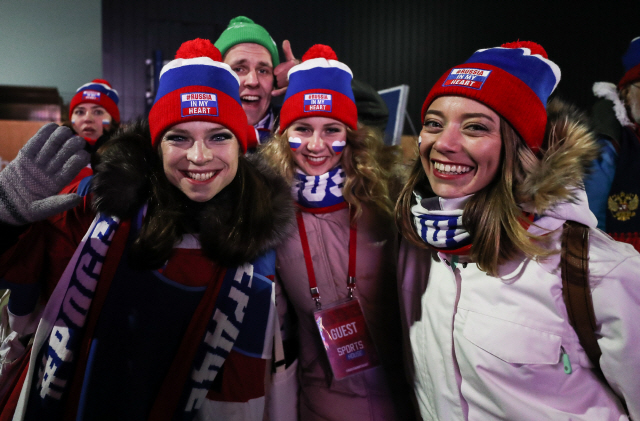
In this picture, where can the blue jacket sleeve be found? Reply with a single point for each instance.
(598, 182)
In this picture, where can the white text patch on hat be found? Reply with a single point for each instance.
(199, 103)
(470, 78)
(88, 95)
(317, 102)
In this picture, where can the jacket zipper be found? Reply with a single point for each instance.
(565, 361)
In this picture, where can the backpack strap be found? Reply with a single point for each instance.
(574, 262)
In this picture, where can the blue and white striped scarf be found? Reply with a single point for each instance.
(319, 191)
(265, 126)
(441, 229)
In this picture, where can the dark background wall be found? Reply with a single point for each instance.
(386, 43)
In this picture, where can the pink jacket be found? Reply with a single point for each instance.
(491, 348)
(377, 394)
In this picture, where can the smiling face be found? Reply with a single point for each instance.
(200, 158)
(252, 63)
(460, 146)
(90, 120)
(317, 143)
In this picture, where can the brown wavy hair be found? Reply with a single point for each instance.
(368, 164)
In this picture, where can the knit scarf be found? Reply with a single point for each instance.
(441, 229)
(265, 126)
(77, 285)
(58, 354)
(319, 191)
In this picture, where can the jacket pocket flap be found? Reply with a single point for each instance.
(512, 342)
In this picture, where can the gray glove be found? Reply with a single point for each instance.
(48, 162)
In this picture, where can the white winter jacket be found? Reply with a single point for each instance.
(490, 348)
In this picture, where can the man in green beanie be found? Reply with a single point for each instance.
(251, 52)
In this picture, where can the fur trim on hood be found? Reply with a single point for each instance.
(609, 91)
(250, 216)
(566, 156)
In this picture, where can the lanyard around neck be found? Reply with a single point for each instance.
(351, 280)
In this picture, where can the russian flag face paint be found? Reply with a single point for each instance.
(317, 143)
(338, 146)
(294, 143)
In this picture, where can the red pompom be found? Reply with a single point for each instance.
(320, 51)
(198, 48)
(104, 82)
(535, 48)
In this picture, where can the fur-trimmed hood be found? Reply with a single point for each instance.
(609, 91)
(247, 218)
(567, 154)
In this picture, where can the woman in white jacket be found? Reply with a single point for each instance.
(480, 281)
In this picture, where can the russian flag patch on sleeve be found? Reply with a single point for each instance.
(199, 103)
(470, 78)
(317, 102)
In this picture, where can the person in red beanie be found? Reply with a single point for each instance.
(612, 186)
(152, 299)
(94, 115)
(93, 110)
(338, 268)
(497, 182)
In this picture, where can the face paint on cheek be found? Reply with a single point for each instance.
(106, 122)
(338, 146)
(294, 143)
(73, 122)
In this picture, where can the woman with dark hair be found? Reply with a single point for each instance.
(499, 174)
(339, 267)
(163, 309)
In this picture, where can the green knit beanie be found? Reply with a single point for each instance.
(241, 29)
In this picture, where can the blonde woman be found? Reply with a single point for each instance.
(343, 252)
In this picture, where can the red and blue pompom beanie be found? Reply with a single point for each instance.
(100, 92)
(631, 63)
(515, 80)
(198, 86)
(320, 86)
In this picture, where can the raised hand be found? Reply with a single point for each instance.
(29, 185)
(282, 69)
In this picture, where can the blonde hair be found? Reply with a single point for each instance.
(492, 215)
(366, 162)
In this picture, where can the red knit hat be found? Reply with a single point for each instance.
(631, 62)
(198, 86)
(515, 80)
(320, 86)
(100, 92)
